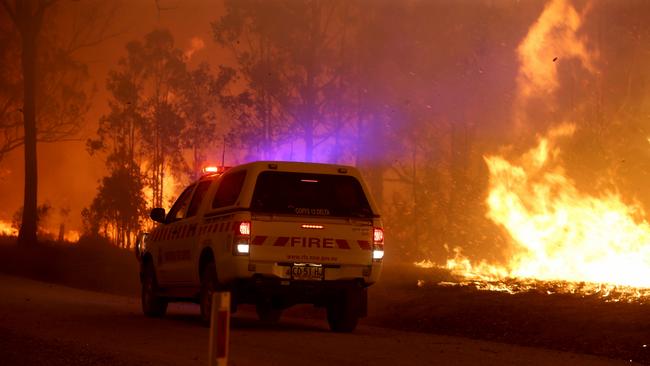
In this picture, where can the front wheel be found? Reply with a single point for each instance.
(153, 305)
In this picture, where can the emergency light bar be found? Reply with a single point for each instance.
(214, 169)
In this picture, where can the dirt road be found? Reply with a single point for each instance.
(42, 323)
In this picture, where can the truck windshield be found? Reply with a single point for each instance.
(305, 194)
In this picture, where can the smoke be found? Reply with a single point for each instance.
(196, 44)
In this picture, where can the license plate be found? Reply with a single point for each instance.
(307, 273)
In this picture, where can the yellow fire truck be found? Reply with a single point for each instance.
(275, 234)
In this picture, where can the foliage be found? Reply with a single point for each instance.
(287, 53)
(160, 112)
(202, 95)
(119, 207)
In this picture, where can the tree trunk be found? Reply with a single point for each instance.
(27, 233)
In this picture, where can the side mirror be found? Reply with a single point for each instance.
(140, 245)
(158, 214)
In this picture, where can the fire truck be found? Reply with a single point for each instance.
(274, 234)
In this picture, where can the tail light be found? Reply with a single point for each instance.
(242, 238)
(245, 228)
(377, 244)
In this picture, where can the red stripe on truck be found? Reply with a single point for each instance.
(365, 245)
(342, 244)
(259, 240)
(281, 241)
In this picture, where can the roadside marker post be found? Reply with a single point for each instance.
(219, 329)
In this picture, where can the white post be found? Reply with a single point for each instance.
(219, 329)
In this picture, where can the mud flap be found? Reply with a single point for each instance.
(357, 301)
(363, 305)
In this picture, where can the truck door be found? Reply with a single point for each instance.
(173, 255)
(188, 271)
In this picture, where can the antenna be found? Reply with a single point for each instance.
(223, 152)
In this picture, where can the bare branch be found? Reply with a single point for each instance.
(5, 108)
(11, 145)
(88, 34)
(11, 12)
(71, 139)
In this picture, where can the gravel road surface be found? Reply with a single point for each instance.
(47, 324)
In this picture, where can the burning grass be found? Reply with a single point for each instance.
(489, 280)
(605, 292)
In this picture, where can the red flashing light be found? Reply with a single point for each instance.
(245, 228)
(214, 169)
(210, 169)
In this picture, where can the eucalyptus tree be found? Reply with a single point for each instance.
(45, 87)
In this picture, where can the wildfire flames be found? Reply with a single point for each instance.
(7, 230)
(554, 33)
(565, 234)
(70, 236)
(563, 240)
(170, 189)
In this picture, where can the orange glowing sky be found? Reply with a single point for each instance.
(68, 175)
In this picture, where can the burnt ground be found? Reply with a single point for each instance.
(563, 322)
(560, 321)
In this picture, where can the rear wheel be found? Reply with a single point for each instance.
(208, 287)
(153, 305)
(343, 312)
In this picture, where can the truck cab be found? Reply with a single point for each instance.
(275, 234)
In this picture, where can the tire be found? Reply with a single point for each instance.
(208, 287)
(153, 305)
(267, 313)
(343, 312)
